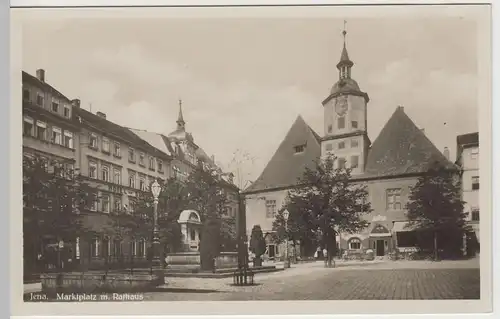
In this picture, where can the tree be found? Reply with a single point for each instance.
(53, 197)
(206, 194)
(139, 222)
(435, 207)
(257, 244)
(299, 228)
(329, 203)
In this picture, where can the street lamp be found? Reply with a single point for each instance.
(286, 214)
(155, 190)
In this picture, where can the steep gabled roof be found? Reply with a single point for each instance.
(286, 166)
(402, 148)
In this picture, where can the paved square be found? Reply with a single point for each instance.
(375, 282)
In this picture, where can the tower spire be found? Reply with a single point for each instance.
(345, 63)
(180, 120)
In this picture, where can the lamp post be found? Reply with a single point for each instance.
(286, 214)
(155, 190)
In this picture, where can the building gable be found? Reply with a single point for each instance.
(402, 148)
(300, 149)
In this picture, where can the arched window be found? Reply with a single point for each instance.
(354, 243)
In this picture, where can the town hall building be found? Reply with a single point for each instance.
(389, 166)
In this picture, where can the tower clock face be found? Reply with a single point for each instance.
(341, 105)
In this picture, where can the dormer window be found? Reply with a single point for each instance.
(300, 148)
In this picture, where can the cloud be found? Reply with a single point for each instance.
(222, 117)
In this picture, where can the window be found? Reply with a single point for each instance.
(131, 155)
(300, 148)
(131, 204)
(131, 180)
(39, 99)
(354, 143)
(28, 126)
(105, 203)
(93, 140)
(151, 163)
(117, 178)
(106, 247)
(142, 184)
(474, 152)
(329, 147)
(56, 135)
(117, 204)
(68, 139)
(117, 247)
(355, 243)
(475, 215)
(354, 161)
(93, 204)
(141, 248)
(105, 144)
(67, 113)
(96, 247)
(341, 145)
(330, 128)
(141, 159)
(193, 234)
(92, 170)
(354, 124)
(134, 248)
(55, 106)
(394, 199)
(26, 94)
(117, 150)
(41, 130)
(105, 173)
(341, 122)
(160, 166)
(270, 208)
(475, 182)
(341, 162)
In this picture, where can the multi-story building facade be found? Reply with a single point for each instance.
(50, 130)
(389, 166)
(468, 160)
(117, 162)
(119, 165)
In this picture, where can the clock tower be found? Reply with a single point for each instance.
(345, 119)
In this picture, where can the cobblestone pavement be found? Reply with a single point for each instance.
(388, 280)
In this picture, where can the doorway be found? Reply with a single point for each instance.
(380, 248)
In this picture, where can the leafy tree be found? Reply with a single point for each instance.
(299, 228)
(257, 244)
(206, 194)
(435, 207)
(329, 203)
(139, 222)
(53, 198)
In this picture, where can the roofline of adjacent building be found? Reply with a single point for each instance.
(359, 178)
(34, 80)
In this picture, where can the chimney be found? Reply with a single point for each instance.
(213, 158)
(423, 130)
(75, 102)
(40, 75)
(101, 115)
(446, 153)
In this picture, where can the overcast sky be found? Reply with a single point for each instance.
(244, 81)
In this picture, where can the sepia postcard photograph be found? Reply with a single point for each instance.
(251, 160)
